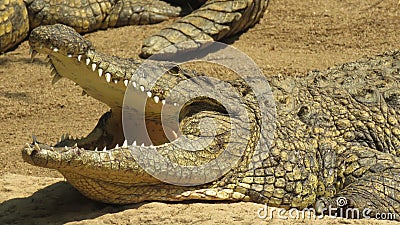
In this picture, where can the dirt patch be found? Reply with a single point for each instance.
(292, 38)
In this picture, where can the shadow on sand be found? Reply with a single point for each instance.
(58, 203)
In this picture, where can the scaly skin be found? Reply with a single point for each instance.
(14, 25)
(337, 134)
(214, 20)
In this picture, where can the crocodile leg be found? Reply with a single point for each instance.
(215, 20)
(371, 186)
(91, 15)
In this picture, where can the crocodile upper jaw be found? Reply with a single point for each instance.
(85, 72)
(92, 84)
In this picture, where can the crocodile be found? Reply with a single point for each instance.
(202, 19)
(337, 134)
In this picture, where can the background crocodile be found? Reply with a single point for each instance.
(342, 125)
(214, 20)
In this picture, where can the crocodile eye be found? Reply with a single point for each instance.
(366, 95)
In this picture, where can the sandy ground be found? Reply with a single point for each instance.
(292, 38)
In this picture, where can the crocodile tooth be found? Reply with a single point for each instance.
(163, 101)
(156, 99)
(75, 145)
(175, 104)
(69, 55)
(126, 83)
(96, 149)
(53, 72)
(94, 65)
(56, 78)
(104, 149)
(55, 49)
(79, 58)
(141, 88)
(51, 66)
(134, 84)
(100, 70)
(37, 147)
(116, 146)
(108, 77)
(66, 148)
(115, 81)
(33, 53)
(142, 145)
(87, 61)
(134, 143)
(125, 144)
(84, 93)
(149, 94)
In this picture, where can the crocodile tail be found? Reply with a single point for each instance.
(215, 20)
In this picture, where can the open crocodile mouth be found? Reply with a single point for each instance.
(106, 79)
(132, 166)
(107, 151)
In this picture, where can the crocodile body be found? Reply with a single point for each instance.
(214, 20)
(337, 134)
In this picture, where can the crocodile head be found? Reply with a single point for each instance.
(104, 157)
(103, 78)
